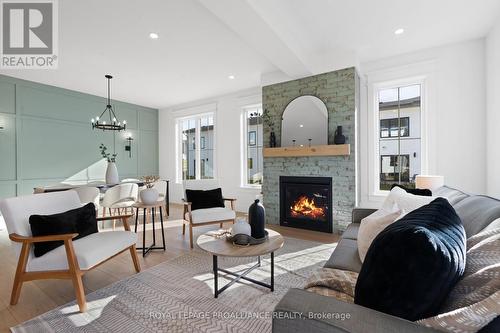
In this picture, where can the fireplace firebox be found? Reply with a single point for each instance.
(306, 202)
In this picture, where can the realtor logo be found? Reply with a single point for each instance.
(29, 34)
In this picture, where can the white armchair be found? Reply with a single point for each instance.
(70, 261)
(205, 216)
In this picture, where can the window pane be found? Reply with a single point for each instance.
(207, 147)
(254, 146)
(188, 127)
(400, 142)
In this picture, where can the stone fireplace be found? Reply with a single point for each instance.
(339, 91)
(306, 202)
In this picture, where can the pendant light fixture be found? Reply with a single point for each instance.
(114, 124)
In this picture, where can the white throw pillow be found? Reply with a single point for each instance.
(397, 204)
(407, 202)
(371, 226)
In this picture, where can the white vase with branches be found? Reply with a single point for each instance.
(111, 170)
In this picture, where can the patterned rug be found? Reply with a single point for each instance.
(177, 296)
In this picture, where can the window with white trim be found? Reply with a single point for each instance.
(252, 146)
(399, 125)
(197, 147)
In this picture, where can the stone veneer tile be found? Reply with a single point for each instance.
(339, 90)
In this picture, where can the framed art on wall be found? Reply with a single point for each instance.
(252, 138)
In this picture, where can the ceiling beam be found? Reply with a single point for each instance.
(241, 18)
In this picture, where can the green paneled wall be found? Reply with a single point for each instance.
(47, 137)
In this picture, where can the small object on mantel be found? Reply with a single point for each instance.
(339, 138)
(320, 150)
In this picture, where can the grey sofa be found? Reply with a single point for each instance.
(477, 212)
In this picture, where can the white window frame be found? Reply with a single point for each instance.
(422, 74)
(194, 113)
(244, 146)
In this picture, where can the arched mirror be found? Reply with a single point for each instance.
(304, 122)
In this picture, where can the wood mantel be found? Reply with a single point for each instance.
(322, 150)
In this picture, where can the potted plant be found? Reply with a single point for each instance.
(149, 195)
(111, 171)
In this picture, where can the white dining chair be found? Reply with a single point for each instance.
(118, 199)
(161, 187)
(89, 194)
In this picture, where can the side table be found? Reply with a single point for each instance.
(152, 210)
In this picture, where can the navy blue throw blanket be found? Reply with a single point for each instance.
(413, 264)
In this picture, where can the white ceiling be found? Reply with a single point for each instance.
(202, 42)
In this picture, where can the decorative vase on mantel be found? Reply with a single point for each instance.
(339, 138)
(272, 140)
(112, 174)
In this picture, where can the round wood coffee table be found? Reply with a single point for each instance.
(219, 246)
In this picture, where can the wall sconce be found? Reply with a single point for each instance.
(128, 146)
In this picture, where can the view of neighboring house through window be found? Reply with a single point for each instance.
(207, 147)
(399, 141)
(197, 161)
(253, 145)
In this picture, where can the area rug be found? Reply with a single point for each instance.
(177, 296)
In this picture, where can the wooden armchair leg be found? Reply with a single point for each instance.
(18, 279)
(183, 228)
(16, 291)
(135, 259)
(76, 275)
(79, 291)
(191, 235)
(221, 225)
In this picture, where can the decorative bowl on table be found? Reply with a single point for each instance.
(246, 240)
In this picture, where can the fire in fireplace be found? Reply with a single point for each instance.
(305, 202)
(306, 207)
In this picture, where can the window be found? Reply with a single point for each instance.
(252, 145)
(389, 128)
(197, 163)
(399, 114)
(394, 168)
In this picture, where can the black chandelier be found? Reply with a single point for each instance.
(114, 124)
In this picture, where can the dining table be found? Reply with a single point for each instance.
(101, 185)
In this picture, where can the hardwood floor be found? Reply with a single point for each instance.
(38, 297)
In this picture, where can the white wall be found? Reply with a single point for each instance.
(456, 122)
(227, 149)
(456, 113)
(493, 111)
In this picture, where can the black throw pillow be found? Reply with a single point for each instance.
(413, 264)
(80, 220)
(416, 191)
(205, 199)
